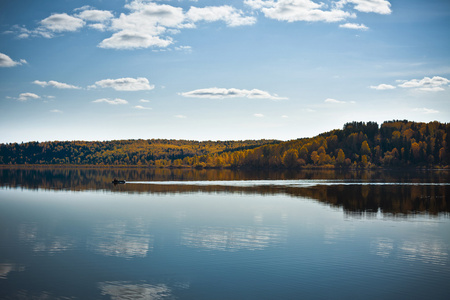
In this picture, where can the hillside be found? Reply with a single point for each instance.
(156, 152)
(358, 144)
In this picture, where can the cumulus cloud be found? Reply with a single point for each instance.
(368, 6)
(62, 22)
(110, 101)
(221, 93)
(125, 84)
(95, 15)
(428, 84)
(128, 39)
(298, 10)
(354, 26)
(383, 86)
(149, 24)
(55, 84)
(27, 96)
(230, 15)
(426, 110)
(6, 61)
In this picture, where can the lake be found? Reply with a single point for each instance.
(69, 233)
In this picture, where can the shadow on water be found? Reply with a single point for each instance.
(364, 193)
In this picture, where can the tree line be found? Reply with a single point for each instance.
(357, 145)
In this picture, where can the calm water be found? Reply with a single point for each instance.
(173, 234)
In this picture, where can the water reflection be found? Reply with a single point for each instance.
(6, 268)
(233, 238)
(123, 290)
(427, 251)
(44, 241)
(121, 239)
(366, 194)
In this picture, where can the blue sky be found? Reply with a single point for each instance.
(218, 70)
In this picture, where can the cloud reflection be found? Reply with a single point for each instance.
(6, 268)
(44, 242)
(122, 290)
(121, 239)
(431, 252)
(233, 238)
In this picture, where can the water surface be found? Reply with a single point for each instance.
(71, 234)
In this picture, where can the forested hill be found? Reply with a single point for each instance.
(155, 152)
(358, 144)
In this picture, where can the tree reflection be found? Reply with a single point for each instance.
(361, 193)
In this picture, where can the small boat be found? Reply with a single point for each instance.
(115, 181)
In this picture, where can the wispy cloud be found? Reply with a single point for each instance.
(27, 96)
(222, 93)
(56, 111)
(144, 101)
(427, 84)
(56, 84)
(354, 26)
(382, 86)
(426, 110)
(180, 116)
(258, 115)
(331, 100)
(142, 107)
(125, 84)
(6, 61)
(116, 101)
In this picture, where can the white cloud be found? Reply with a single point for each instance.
(375, 6)
(428, 84)
(331, 100)
(221, 93)
(126, 84)
(98, 26)
(109, 101)
(144, 101)
(6, 61)
(56, 111)
(230, 15)
(285, 116)
(27, 96)
(354, 26)
(382, 87)
(62, 22)
(128, 39)
(426, 110)
(149, 24)
(258, 115)
(141, 107)
(298, 10)
(180, 116)
(95, 15)
(55, 84)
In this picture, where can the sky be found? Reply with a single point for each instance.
(218, 70)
